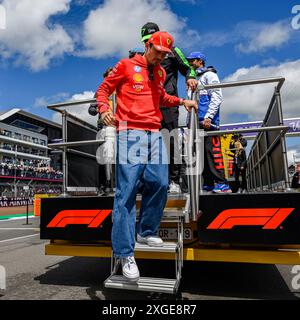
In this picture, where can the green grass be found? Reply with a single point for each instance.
(20, 215)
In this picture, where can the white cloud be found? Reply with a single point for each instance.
(251, 36)
(114, 27)
(260, 37)
(251, 102)
(45, 101)
(80, 111)
(29, 38)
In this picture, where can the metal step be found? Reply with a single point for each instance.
(172, 215)
(167, 247)
(144, 284)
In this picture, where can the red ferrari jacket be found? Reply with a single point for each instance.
(138, 96)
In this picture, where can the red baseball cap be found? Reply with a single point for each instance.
(162, 41)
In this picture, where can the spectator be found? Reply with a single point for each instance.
(240, 163)
(296, 177)
(209, 117)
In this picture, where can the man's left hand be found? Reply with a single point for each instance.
(192, 84)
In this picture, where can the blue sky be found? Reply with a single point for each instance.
(57, 50)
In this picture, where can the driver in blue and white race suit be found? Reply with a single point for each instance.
(209, 102)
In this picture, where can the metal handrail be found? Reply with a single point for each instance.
(75, 143)
(74, 103)
(279, 80)
(262, 129)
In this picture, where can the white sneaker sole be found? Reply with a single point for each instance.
(150, 244)
(131, 279)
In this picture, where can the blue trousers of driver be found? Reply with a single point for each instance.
(141, 158)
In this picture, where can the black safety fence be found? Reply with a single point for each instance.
(82, 167)
(267, 167)
(15, 202)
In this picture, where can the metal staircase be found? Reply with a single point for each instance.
(176, 211)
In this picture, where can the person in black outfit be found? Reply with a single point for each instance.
(172, 64)
(296, 177)
(240, 162)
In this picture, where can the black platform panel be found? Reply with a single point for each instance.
(260, 218)
(77, 219)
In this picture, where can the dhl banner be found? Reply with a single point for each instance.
(227, 144)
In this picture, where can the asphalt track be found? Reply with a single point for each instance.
(30, 275)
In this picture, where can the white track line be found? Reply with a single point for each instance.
(16, 218)
(35, 229)
(32, 235)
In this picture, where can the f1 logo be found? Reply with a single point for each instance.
(269, 218)
(2, 278)
(92, 218)
(2, 17)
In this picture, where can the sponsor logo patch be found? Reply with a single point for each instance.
(137, 69)
(138, 78)
(138, 87)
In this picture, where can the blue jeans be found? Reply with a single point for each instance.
(141, 157)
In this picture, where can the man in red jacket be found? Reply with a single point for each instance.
(141, 154)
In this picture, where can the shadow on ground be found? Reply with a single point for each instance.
(200, 280)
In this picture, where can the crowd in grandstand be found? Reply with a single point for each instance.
(7, 192)
(38, 169)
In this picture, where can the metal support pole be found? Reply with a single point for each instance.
(193, 163)
(268, 162)
(64, 154)
(253, 173)
(27, 212)
(248, 171)
(283, 142)
(259, 167)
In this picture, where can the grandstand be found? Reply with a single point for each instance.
(26, 165)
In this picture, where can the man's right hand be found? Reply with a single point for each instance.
(188, 104)
(108, 118)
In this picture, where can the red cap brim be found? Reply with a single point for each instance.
(162, 48)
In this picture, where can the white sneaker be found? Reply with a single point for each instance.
(152, 241)
(130, 269)
(174, 187)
